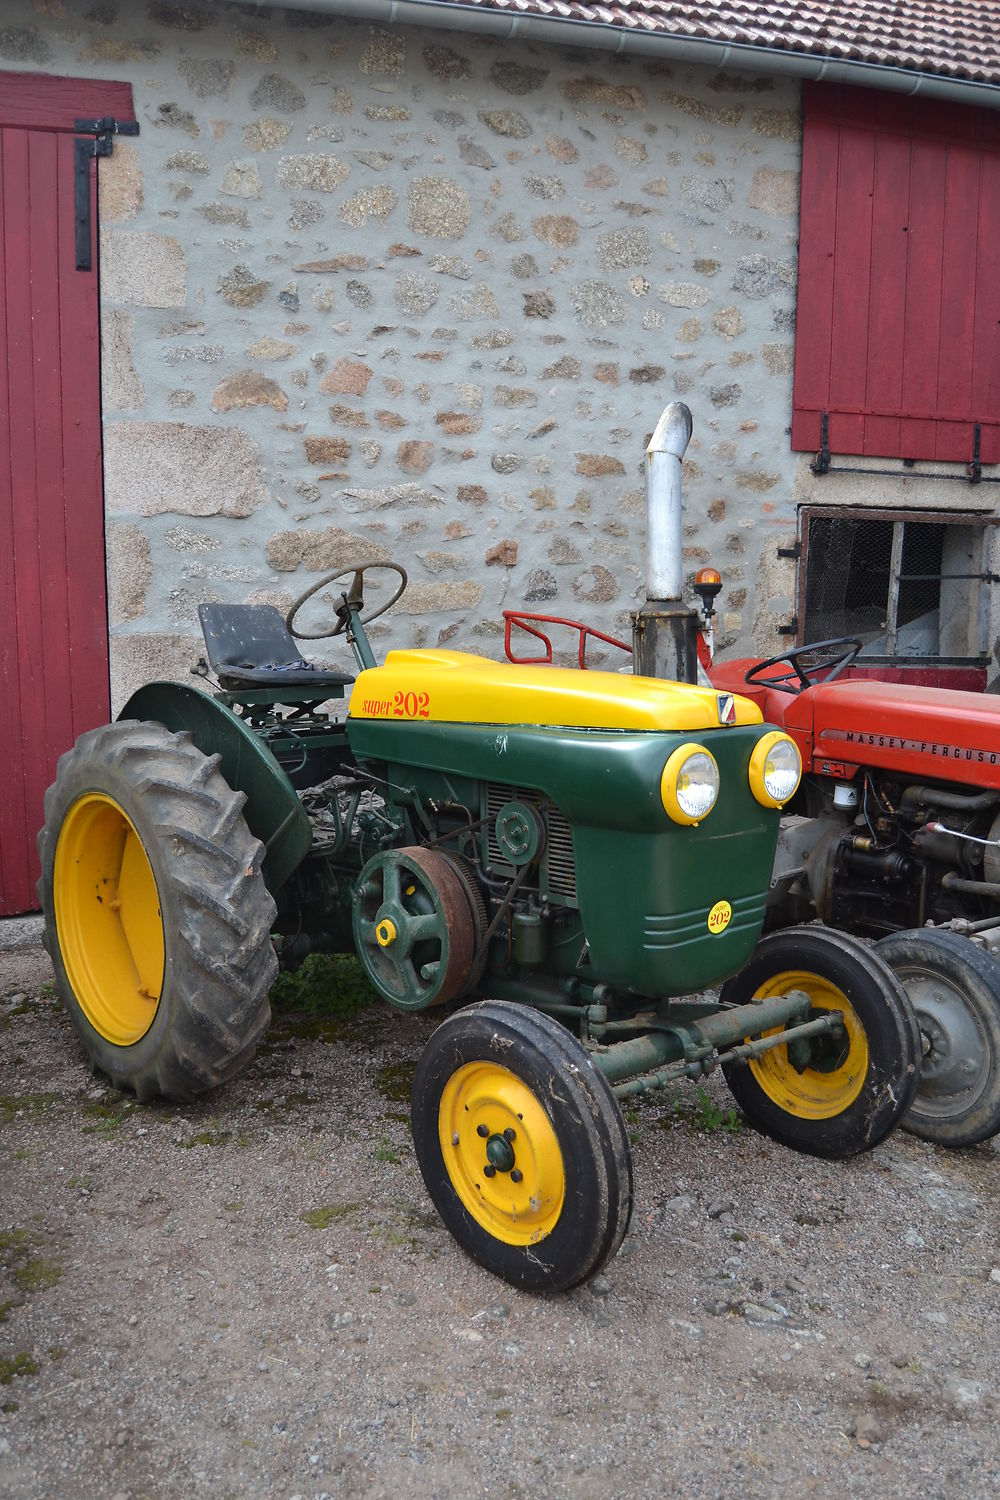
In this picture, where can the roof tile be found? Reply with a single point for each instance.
(954, 38)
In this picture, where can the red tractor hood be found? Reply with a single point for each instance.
(928, 734)
(935, 734)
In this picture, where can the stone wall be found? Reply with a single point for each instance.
(419, 294)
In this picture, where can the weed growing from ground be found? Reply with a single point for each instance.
(327, 984)
(712, 1118)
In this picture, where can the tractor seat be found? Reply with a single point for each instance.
(249, 646)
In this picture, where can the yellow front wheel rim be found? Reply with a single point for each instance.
(108, 919)
(814, 1094)
(489, 1118)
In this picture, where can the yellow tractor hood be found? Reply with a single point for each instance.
(455, 687)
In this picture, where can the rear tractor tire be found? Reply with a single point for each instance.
(522, 1146)
(954, 988)
(848, 1090)
(157, 918)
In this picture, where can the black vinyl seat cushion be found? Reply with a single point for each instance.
(249, 646)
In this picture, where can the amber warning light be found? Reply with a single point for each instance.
(707, 583)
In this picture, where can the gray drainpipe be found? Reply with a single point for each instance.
(619, 39)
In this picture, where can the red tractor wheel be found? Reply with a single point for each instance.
(954, 988)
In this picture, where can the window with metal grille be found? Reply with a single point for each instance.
(907, 585)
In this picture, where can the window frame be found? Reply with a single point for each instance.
(980, 521)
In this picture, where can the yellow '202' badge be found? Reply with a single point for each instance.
(718, 917)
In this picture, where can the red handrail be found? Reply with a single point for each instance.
(528, 622)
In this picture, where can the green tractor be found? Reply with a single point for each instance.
(582, 850)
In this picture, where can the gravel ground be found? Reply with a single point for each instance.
(254, 1297)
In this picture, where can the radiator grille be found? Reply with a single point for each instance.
(559, 863)
(557, 867)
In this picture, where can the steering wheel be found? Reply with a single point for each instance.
(353, 596)
(801, 675)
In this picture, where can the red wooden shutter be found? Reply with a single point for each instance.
(898, 322)
(53, 613)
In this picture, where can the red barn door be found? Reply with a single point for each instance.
(54, 679)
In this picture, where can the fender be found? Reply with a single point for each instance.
(273, 811)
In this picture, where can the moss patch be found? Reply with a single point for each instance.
(18, 1364)
(396, 1082)
(108, 1113)
(322, 1218)
(30, 1270)
(38, 1275)
(300, 1099)
(290, 1027)
(25, 1104)
(16, 1244)
(23, 1008)
(208, 1138)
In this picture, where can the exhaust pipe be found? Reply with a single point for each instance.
(664, 629)
(666, 448)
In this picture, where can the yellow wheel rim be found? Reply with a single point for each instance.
(108, 919)
(815, 1094)
(520, 1202)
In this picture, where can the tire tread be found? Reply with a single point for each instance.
(587, 1109)
(890, 1028)
(220, 963)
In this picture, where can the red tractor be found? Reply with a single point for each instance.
(894, 834)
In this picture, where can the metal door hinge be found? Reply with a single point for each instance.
(84, 151)
(795, 551)
(792, 628)
(821, 463)
(975, 467)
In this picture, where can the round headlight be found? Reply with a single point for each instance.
(775, 769)
(689, 784)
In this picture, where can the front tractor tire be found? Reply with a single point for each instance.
(843, 1093)
(522, 1146)
(157, 918)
